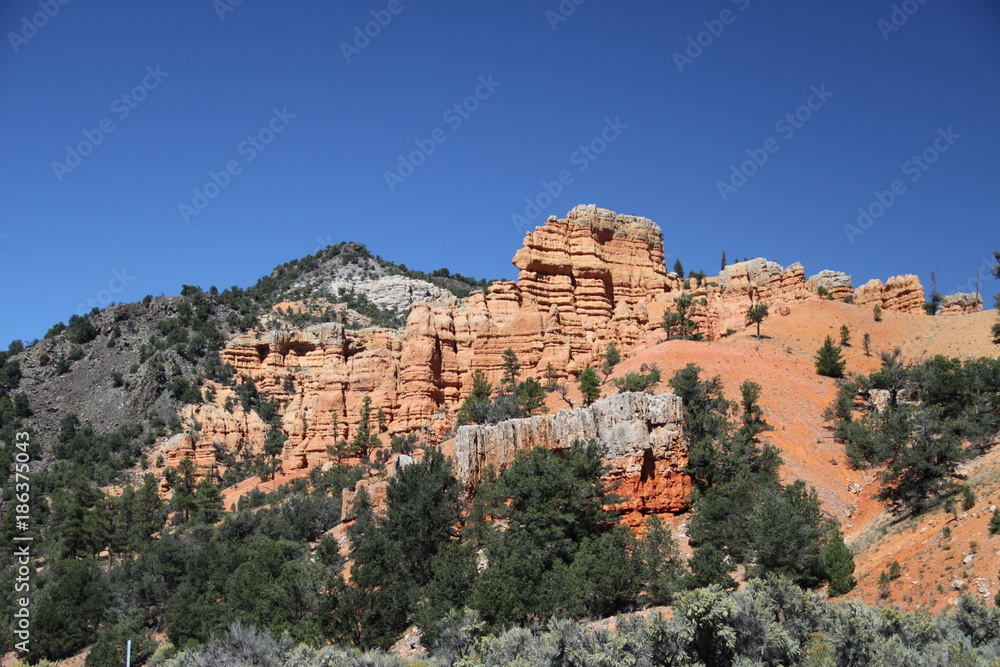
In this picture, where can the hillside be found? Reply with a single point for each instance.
(336, 372)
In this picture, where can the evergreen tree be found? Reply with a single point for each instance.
(710, 566)
(877, 312)
(679, 319)
(866, 343)
(364, 438)
(530, 397)
(590, 386)
(612, 357)
(679, 269)
(647, 377)
(511, 368)
(474, 407)
(551, 377)
(829, 361)
(845, 336)
(722, 266)
(660, 562)
(182, 482)
(838, 562)
(757, 313)
(207, 502)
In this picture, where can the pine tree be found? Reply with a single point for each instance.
(679, 269)
(679, 319)
(723, 266)
(757, 313)
(551, 377)
(838, 562)
(511, 372)
(475, 405)
(183, 484)
(829, 361)
(845, 336)
(612, 357)
(866, 343)
(530, 397)
(590, 386)
(877, 312)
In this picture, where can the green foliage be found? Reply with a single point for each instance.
(511, 369)
(845, 336)
(643, 381)
(475, 406)
(514, 399)
(757, 313)
(838, 562)
(678, 320)
(995, 522)
(921, 441)
(866, 343)
(552, 507)
(679, 268)
(877, 312)
(612, 357)
(829, 361)
(590, 386)
(660, 563)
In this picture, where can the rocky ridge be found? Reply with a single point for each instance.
(585, 281)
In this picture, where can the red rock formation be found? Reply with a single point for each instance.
(902, 294)
(584, 281)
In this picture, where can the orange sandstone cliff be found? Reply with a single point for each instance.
(585, 280)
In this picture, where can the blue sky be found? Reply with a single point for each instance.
(150, 145)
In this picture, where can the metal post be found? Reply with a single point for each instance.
(128, 654)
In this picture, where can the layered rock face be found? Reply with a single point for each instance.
(585, 281)
(960, 304)
(902, 294)
(642, 435)
(741, 284)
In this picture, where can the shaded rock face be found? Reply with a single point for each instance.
(961, 303)
(641, 433)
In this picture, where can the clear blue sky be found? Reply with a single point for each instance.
(197, 87)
